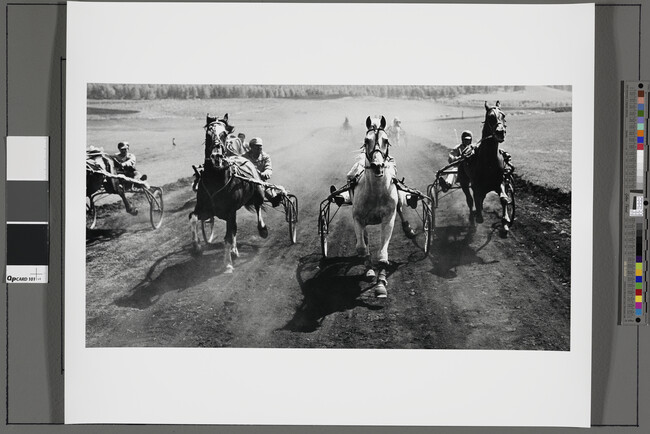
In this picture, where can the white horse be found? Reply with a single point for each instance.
(375, 199)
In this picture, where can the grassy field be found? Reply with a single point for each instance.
(539, 141)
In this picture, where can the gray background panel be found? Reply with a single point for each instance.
(32, 313)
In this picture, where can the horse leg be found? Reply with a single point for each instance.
(470, 201)
(406, 227)
(261, 226)
(130, 209)
(381, 290)
(506, 219)
(386, 233)
(478, 199)
(382, 282)
(362, 248)
(229, 242)
(194, 228)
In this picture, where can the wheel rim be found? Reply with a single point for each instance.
(156, 209)
(510, 206)
(292, 224)
(427, 228)
(323, 237)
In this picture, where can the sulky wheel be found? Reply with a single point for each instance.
(291, 208)
(433, 191)
(322, 229)
(206, 229)
(156, 207)
(91, 213)
(428, 226)
(510, 207)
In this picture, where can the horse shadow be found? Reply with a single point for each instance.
(188, 205)
(177, 277)
(332, 287)
(95, 236)
(452, 247)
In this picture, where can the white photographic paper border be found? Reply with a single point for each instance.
(266, 43)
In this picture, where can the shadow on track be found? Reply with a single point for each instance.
(178, 276)
(332, 287)
(95, 236)
(451, 249)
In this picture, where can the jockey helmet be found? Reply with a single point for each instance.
(122, 145)
(466, 135)
(255, 141)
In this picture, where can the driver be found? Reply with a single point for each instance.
(262, 162)
(463, 150)
(125, 162)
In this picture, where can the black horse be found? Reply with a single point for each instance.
(220, 193)
(485, 169)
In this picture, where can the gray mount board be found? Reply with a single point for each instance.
(31, 324)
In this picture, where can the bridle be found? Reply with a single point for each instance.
(500, 121)
(376, 148)
(219, 143)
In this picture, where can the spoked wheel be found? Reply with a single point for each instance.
(510, 207)
(156, 207)
(291, 211)
(91, 213)
(323, 218)
(428, 226)
(433, 191)
(206, 229)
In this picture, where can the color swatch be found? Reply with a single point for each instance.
(27, 209)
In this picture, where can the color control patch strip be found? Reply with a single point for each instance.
(27, 209)
(634, 221)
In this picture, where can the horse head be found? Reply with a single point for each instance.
(495, 122)
(216, 132)
(376, 145)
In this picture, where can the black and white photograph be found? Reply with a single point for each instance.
(380, 206)
(230, 216)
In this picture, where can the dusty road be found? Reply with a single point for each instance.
(476, 290)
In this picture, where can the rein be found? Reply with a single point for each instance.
(375, 149)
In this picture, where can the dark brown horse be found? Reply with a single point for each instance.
(220, 193)
(484, 170)
(97, 165)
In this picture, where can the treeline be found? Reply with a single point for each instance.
(190, 91)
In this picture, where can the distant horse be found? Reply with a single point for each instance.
(96, 163)
(485, 169)
(220, 193)
(376, 199)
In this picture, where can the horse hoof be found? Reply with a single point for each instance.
(229, 269)
(381, 291)
(132, 211)
(408, 230)
(235, 253)
(196, 249)
(370, 274)
(479, 218)
(264, 232)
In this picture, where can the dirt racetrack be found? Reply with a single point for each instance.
(476, 290)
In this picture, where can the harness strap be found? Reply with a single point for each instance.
(89, 168)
